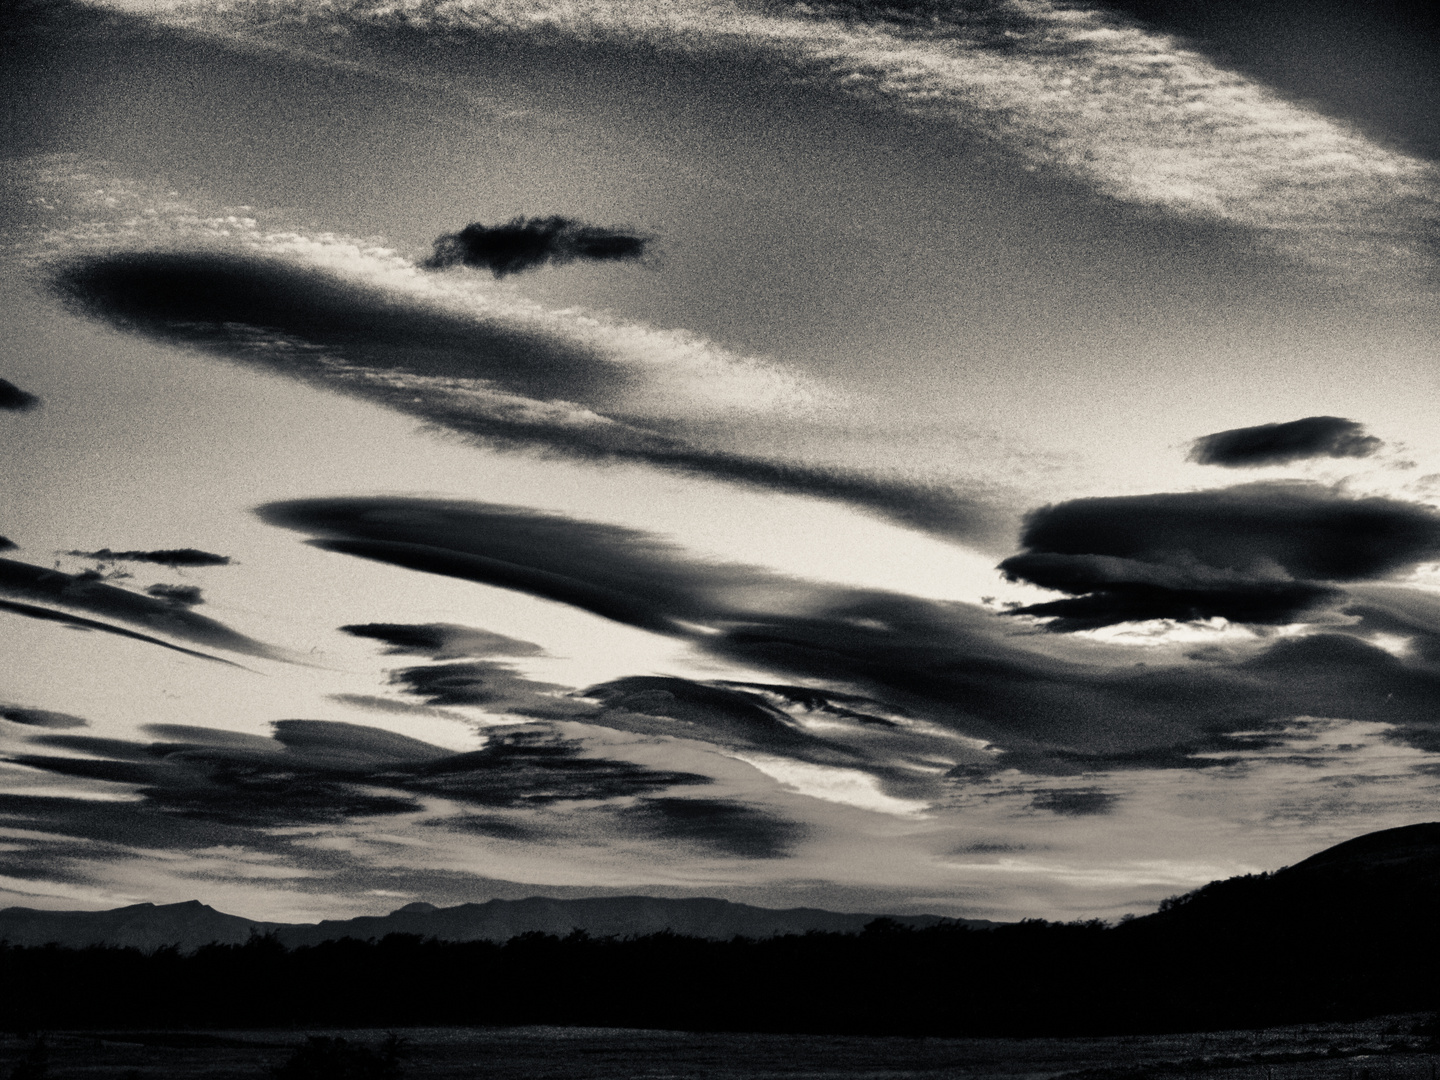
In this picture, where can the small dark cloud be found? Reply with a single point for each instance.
(1075, 802)
(6, 544)
(89, 594)
(181, 595)
(1255, 553)
(172, 558)
(525, 243)
(442, 641)
(1279, 444)
(41, 718)
(720, 825)
(13, 399)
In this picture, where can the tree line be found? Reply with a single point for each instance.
(1168, 972)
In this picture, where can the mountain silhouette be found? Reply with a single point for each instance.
(192, 924)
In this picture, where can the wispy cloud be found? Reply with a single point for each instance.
(1138, 114)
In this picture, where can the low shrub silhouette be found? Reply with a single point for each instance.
(35, 1065)
(325, 1058)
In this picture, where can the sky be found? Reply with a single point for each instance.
(973, 458)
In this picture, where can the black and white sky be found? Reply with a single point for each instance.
(973, 457)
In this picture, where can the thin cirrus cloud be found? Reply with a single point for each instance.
(505, 379)
(1282, 444)
(528, 243)
(1138, 114)
(954, 681)
(1265, 553)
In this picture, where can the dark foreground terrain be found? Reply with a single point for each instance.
(1385, 1048)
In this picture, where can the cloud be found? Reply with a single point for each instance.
(43, 718)
(442, 641)
(1084, 91)
(171, 558)
(78, 591)
(181, 595)
(1075, 802)
(716, 714)
(526, 243)
(13, 399)
(491, 684)
(315, 772)
(1280, 444)
(728, 828)
(1254, 553)
(505, 379)
(31, 611)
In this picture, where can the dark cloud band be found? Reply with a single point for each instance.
(405, 355)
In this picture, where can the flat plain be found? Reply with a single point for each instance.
(1383, 1048)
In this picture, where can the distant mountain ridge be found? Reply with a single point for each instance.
(192, 924)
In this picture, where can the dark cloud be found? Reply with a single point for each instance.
(1075, 802)
(13, 399)
(442, 641)
(6, 544)
(491, 684)
(42, 718)
(1255, 553)
(182, 595)
(84, 592)
(717, 714)
(1279, 444)
(525, 243)
(622, 574)
(172, 558)
(726, 827)
(31, 611)
(323, 772)
(297, 321)
(931, 671)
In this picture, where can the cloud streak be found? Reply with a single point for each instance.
(172, 557)
(81, 592)
(528, 243)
